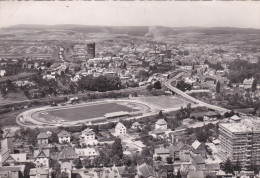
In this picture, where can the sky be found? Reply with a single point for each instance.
(147, 13)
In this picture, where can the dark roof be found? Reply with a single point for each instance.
(7, 148)
(166, 168)
(146, 170)
(68, 153)
(178, 147)
(8, 133)
(198, 159)
(42, 153)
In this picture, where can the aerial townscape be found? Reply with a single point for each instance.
(79, 101)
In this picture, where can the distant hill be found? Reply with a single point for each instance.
(140, 30)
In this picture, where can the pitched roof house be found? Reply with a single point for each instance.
(120, 129)
(68, 153)
(163, 153)
(39, 172)
(177, 150)
(88, 137)
(7, 148)
(12, 171)
(161, 124)
(64, 136)
(198, 148)
(41, 158)
(146, 171)
(43, 138)
(198, 162)
(111, 172)
(86, 152)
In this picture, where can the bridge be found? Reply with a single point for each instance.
(201, 103)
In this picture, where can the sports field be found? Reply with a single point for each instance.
(89, 111)
(164, 102)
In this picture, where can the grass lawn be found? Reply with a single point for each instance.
(164, 102)
(83, 112)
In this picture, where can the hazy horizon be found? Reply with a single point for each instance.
(124, 26)
(166, 14)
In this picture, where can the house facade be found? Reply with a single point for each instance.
(120, 129)
(41, 158)
(64, 137)
(161, 124)
(43, 138)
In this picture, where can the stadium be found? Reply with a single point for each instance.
(98, 111)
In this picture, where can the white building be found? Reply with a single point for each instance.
(41, 158)
(2, 72)
(240, 140)
(120, 129)
(64, 137)
(163, 153)
(86, 152)
(88, 137)
(66, 167)
(161, 124)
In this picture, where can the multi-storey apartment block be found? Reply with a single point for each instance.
(240, 142)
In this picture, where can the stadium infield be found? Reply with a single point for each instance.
(86, 111)
(95, 112)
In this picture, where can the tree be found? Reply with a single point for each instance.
(169, 160)
(86, 162)
(146, 152)
(237, 166)
(160, 115)
(159, 158)
(178, 174)
(188, 110)
(181, 85)
(157, 85)
(254, 85)
(54, 164)
(149, 87)
(218, 87)
(54, 138)
(227, 167)
(28, 167)
(253, 167)
(117, 148)
(143, 74)
(126, 160)
(78, 163)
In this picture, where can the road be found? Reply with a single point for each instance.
(201, 103)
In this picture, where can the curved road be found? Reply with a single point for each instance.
(179, 92)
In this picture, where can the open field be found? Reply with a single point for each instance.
(163, 102)
(82, 112)
(95, 111)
